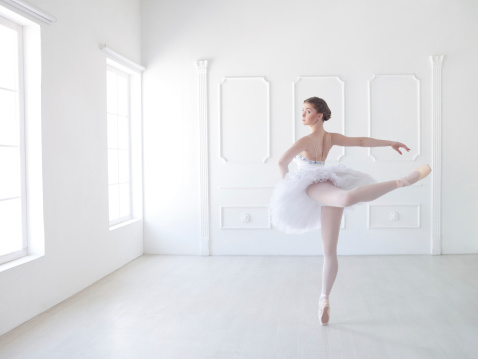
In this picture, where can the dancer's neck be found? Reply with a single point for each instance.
(317, 128)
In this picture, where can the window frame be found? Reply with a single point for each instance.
(135, 71)
(30, 109)
(20, 108)
(121, 219)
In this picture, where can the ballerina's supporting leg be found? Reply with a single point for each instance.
(330, 221)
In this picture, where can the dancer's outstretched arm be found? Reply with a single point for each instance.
(341, 140)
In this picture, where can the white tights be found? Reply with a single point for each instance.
(334, 200)
(330, 219)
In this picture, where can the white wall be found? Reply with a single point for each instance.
(282, 40)
(80, 249)
(279, 40)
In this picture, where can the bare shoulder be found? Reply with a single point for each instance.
(302, 144)
(304, 141)
(336, 138)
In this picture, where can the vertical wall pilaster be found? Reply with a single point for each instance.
(437, 64)
(203, 157)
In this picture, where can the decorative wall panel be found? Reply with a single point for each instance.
(244, 110)
(393, 216)
(329, 88)
(395, 114)
(250, 217)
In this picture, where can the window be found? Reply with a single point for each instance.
(21, 186)
(119, 155)
(13, 236)
(124, 132)
(21, 196)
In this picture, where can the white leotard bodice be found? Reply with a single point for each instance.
(304, 163)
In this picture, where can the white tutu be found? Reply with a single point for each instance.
(292, 210)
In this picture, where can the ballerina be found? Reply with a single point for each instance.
(315, 196)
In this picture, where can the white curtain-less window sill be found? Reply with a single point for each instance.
(19, 261)
(124, 224)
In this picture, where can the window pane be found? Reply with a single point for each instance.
(9, 58)
(124, 195)
(123, 95)
(123, 163)
(111, 92)
(123, 132)
(118, 145)
(114, 202)
(10, 172)
(112, 166)
(112, 131)
(9, 125)
(10, 226)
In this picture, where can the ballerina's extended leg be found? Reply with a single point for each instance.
(329, 195)
(414, 176)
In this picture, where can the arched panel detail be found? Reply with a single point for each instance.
(395, 110)
(244, 120)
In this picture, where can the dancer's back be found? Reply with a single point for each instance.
(320, 145)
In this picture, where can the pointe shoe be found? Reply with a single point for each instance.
(412, 177)
(423, 171)
(324, 311)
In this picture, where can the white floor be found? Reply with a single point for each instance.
(263, 307)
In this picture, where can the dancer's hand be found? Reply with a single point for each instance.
(397, 145)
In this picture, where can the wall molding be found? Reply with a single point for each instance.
(437, 66)
(419, 122)
(202, 66)
(245, 217)
(123, 60)
(31, 10)
(294, 102)
(393, 217)
(268, 124)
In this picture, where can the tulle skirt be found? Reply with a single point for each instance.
(293, 211)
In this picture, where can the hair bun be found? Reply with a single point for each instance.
(321, 107)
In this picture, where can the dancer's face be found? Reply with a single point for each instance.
(310, 115)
